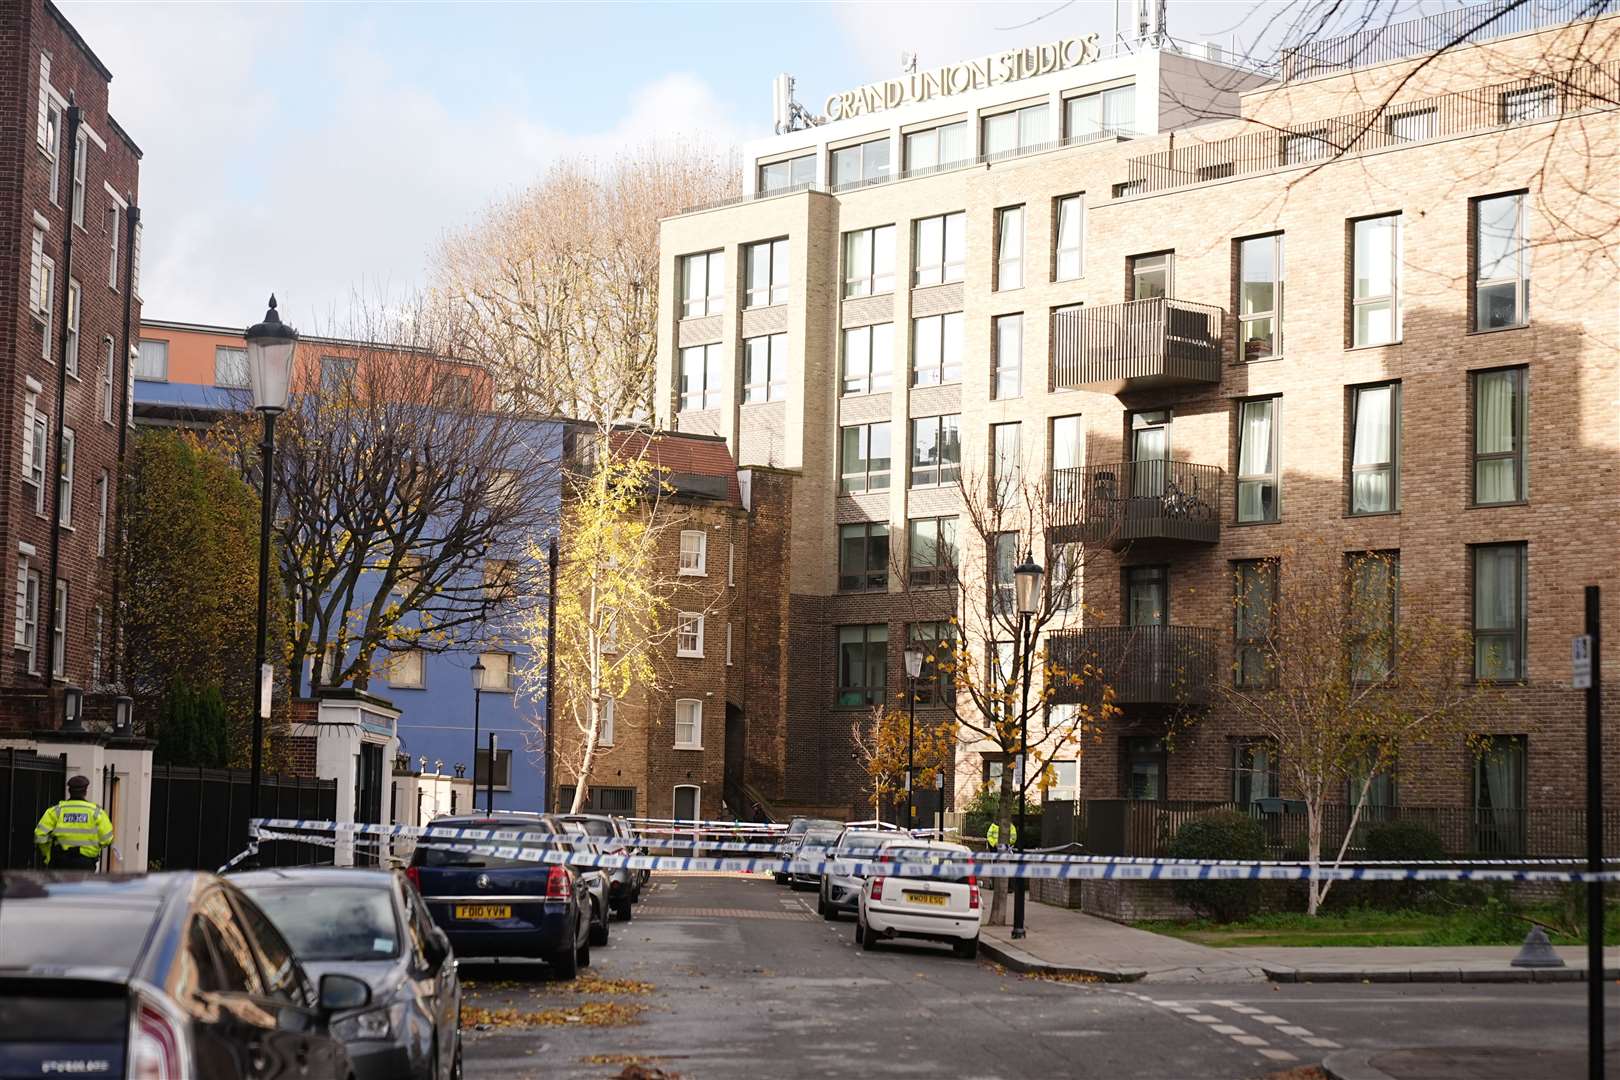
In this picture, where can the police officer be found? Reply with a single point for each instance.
(993, 835)
(73, 833)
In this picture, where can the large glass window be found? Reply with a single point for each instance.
(1499, 436)
(152, 361)
(1255, 621)
(1153, 275)
(1375, 418)
(1254, 771)
(1500, 612)
(1006, 469)
(1411, 125)
(688, 730)
(936, 349)
(863, 664)
(868, 358)
(864, 163)
(931, 551)
(1258, 480)
(1107, 114)
(767, 267)
(798, 172)
(1066, 458)
(1375, 585)
(865, 464)
(701, 372)
(703, 284)
(1375, 318)
(1007, 379)
(1068, 261)
(1260, 296)
(1499, 796)
(936, 450)
(230, 367)
(935, 686)
(1003, 561)
(1300, 147)
(863, 557)
(938, 147)
(1015, 131)
(1529, 104)
(869, 261)
(1147, 767)
(1501, 263)
(1010, 248)
(765, 368)
(1147, 595)
(939, 246)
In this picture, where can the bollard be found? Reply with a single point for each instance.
(1537, 951)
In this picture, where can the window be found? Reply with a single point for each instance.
(1411, 125)
(1304, 146)
(1499, 612)
(75, 300)
(1254, 771)
(1015, 131)
(135, 260)
(1501, 263)
(1003, 561)
(931, 551)
(1152, 276)
(96, 644)
(152, 362)
(53, 149)
(937, 147)
(606, 722)
(27, 635)
(863, 163)
(230, 367)
(405, 669)
(500, 676)
(1260, 296)
(1005, 465)
(935, 685)
(765, 368)
(1061, 777)
(1529, 104)
(689, 635)
(688, 802)
(767, 267)
(42, 424)
(936, 450)
(1006, 381)
(1375, 582)
(59, 621)
(65, 483)
(700, 377)
(868, 358)
(101, 514)
(731, 565)
(1066, 575)
(863, 557)
(81, 163)
(869, 261)
(936, 349)
(47, 301)
(111, 223)
(688, 725)
(503, 770)
(694, 553)
(1220, 170)
(337, 375)
(728, 644)
(107, 379)
(1499, 436)
(863, 664)
(789, 175)
(1375, 419)
(1255, 621)
(1068, 261)
(1065, 458)
(1375, 317)
(39, 292)
(1108, 114)
(865, 459)
(1258, 481)
(1499, 796)
(1010, 248)
(703, 284)
(939, 245)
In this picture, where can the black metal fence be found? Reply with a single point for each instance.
(30, 784)
(1156, 499)
(1143, 665)
(199, 817)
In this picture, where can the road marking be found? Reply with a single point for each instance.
(1293, 1029)
(1268, 1019)
(1204, 1018)
(1249, 1040)
(1227, 1029)
(1278, 1055)
(1324, 1044)
(1245, 1010)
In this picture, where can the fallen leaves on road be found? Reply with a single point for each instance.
(619, 1059)
(1061, 977)
(591, 983)
(589, 1013)
(636, 1072)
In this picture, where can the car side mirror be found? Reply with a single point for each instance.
(340, 993)
(436, 947)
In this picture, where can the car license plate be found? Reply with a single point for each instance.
(933, 899)
(483, 911)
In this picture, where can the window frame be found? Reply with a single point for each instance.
(1392, 466)
(1245, 772)
(140, 348)
(791, 163)
(1542, 99)
(952, 226)
(66, 468)
(1521, 257)
(1358, 303)
(693, 562)
(1135, 265)
(1103, 129)
(508, 659)
(869, 579)
(709, 393)
(1520, 454)
(933, 687)
(1247, 576)
(867, 283)
(59, 624)
(869, 693)
(53, 148)
(941, 573)
(1274, 453)
(220, 352)
(1009, 260)
(1273, 314)
(108, 398)
(395, 658)
(693, 722)
(607, 721)
(103, 486)
(1017, 115)
(503, 765)
(868, 383)
(32, 583)
(869, 174)
(776, 258)
(81, 174)
(689, 628)
(942, 369)
(710, 303)
(1000, 369)
(1519, 634)
(1005, 481)
(941, 163)
(774, 387)
(1078, 249)
(112, 221)
(871, 479)
(1357, 564)
(939, 469)
(75, 316)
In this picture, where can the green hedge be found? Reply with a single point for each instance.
(1220, 834)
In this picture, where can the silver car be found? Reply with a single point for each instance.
(623, 884)
(596, 880)
(842, 892)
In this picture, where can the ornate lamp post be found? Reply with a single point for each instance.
(914, 660)
(478, 699)
(1027, 584)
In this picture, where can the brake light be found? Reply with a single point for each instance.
(415, 877)
(157, 1045)
(877, 888)
(558, 887)
(973, 894)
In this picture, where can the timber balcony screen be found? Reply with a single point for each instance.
(1136, 345)
(1145, 665)
(1157, 499)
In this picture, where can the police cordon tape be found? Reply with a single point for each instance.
(1069, 869)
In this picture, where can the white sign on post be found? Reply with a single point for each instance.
(1580, 661)
(267, 681)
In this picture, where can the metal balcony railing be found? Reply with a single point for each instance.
(1112, 505)
(1136, 345)
(1144, 665)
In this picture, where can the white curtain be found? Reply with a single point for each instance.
(1374, 445)
(1496, 417)
(1254, 460)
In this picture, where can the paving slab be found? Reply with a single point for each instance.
(1458, 1063)
(1064, 942)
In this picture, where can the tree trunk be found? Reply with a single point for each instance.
(1313, 841)
(582, 784)
(1004, 809)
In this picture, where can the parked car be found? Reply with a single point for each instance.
(171, 976)
(927, 909)
(632, 845)
(842, 892)
(596, 881)
(796, 829)
(814, 844)
(623, 886)
(493, 906)
(373, 925)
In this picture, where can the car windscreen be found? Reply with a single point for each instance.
(927, 857)
(332, 922)
(440, 856)
(819, 839)
(64, 932)
(863, 842)
(596, 826)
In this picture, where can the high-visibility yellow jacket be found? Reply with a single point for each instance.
(74, 823)
(993, 834)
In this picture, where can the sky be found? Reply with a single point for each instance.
(322, 150)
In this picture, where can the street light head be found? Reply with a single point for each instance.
(270, 346)
(914, 661)
(1027, 580)
(123, 715)
(477, 670)
(72, 708)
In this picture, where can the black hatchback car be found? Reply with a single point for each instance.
(162, 976)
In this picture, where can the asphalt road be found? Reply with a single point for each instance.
(748, 982)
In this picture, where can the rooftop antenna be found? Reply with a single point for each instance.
(908, 62)
(788, 114)
(1142, 26)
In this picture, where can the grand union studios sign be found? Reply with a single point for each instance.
(1010, 66)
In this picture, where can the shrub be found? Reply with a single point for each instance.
(1403, 841)
(1223, 834)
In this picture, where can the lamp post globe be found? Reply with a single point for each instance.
(270, 347)
(1027, 586)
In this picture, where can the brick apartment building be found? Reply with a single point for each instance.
(1314, 321)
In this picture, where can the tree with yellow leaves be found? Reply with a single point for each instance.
(881, 744)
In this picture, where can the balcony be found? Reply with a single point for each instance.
(1113, 505)
(1145, 665)
(1137, 345)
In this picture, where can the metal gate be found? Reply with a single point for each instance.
(199, 817)
(30, 784)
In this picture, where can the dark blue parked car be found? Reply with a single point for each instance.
(507, 907)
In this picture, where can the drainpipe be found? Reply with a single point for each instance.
(132, 219)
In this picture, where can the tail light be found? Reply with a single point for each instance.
(157, 1045)
(558, 887)
(973, 894)
(415, 877)
(877, 888)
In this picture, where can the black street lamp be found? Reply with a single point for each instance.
(72, 708)
(478, 698)
(914, 660)
(1027, 584)
(270, 347)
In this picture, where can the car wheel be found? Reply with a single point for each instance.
(866, 937)
(621, 908)
(860, 930)
(967, 950)
(599, 930)
(779, 878)
(583, 956)
(455, 1062)
(821, 905)
(566, 964)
